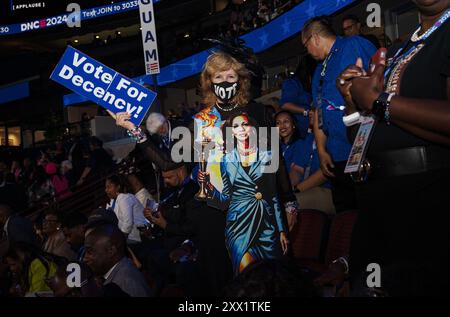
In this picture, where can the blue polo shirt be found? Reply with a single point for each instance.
(309, 157)
(291, 153)
(302, 153)
(292, 91)
(345, 51)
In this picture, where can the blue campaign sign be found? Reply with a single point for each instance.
(104, 86)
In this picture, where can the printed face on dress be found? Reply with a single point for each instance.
(241, 128)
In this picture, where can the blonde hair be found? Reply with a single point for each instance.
(219, 62)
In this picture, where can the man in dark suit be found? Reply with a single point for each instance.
(105, 255)
(191, 225)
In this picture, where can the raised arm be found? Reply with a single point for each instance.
(425, 118)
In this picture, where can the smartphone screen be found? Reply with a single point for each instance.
(150, 204)
(155, 211)
(153, 206)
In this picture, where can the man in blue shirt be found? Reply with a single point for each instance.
(336, 53)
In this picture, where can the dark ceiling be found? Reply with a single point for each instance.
(168, 13)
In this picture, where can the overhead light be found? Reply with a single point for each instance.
(292, 73)
(75, 41)
(118, 32)
(97, 37)
(186, 35)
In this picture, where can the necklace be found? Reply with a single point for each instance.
(415, 37)
(246, 152)
(442, 19)
(247, 160)
(227, 109)
(402, 58)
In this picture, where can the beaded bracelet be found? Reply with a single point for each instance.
(387, 112)
(137, 134)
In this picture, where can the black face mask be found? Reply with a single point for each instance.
(225, 90)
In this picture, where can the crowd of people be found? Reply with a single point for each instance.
(223, 226)
(38, 178)
(246, 18)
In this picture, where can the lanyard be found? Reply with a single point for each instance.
(322, 75)
(321, 82)
(178, 192)
(400, 55)
(309, 166)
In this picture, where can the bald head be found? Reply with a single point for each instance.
(105, 246)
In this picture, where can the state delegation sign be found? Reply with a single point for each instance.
(149, 42)
(104, 86)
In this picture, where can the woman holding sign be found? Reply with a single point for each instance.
(403, 223)
(225, 86)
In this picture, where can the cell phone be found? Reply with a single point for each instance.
(153, 206)
(150, 204)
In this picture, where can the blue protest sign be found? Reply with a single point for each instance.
(104, 86)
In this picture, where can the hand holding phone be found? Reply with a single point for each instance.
(153, 206)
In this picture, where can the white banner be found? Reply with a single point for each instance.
(149, 42)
